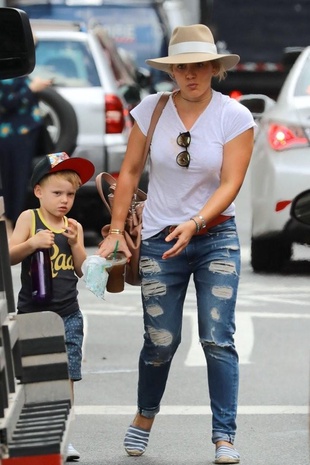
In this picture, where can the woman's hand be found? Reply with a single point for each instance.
(183, 234)
(112, 242)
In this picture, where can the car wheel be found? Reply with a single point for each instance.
(269, 255)
(60, 120)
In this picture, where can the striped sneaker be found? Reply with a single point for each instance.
(225, 454)
(136, 440)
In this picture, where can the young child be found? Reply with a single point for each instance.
(55, 180)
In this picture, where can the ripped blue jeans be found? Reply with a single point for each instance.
(214, 261)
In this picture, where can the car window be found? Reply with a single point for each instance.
(303, 82)
(68, 62)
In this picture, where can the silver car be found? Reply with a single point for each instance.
(280, 168)
(81, 69)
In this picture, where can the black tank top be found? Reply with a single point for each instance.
(64, 301)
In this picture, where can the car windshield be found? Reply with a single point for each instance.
(69, 63)
(302, 88)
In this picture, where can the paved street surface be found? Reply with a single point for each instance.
(273, 327)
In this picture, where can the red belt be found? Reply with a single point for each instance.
(218, 220)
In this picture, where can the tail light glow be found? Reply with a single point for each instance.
(283, 137)
(235, 94)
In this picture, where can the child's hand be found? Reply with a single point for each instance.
(72, 231)
(44, 239)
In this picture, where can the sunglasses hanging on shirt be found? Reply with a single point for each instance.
(183, 158)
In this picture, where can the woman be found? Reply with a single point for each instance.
(199, 155)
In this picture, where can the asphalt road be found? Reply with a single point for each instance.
(273, 327)
(273, 341)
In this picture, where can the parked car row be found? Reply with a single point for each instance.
(280, 168)
(141, 27)
(95, 53)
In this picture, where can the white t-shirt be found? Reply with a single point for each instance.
(175, 193)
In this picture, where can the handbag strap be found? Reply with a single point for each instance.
(109, 178)
(155, 117)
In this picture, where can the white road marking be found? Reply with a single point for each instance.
(192, 410)
(244, 337)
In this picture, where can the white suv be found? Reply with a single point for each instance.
(85, 74)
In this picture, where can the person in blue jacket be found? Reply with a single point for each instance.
(20, 126)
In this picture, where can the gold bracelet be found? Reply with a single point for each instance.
(116, 231)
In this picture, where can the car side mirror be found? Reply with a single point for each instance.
(300, 208)
(17, 51)
(257, 104)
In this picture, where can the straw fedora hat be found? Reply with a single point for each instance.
(192, 44)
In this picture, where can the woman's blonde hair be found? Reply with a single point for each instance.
(221, 72)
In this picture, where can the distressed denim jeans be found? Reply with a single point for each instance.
(214, 261)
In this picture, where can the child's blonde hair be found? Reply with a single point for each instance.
(67, 175)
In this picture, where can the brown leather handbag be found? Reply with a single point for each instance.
(133, 224)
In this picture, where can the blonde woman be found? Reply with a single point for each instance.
(199, 156)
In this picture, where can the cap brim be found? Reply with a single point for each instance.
(164, 64)
(84, 168)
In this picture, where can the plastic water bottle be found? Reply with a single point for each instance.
(41, 276)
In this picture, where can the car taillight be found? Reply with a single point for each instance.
(282, 137)
(114, 113)
(235, 94)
